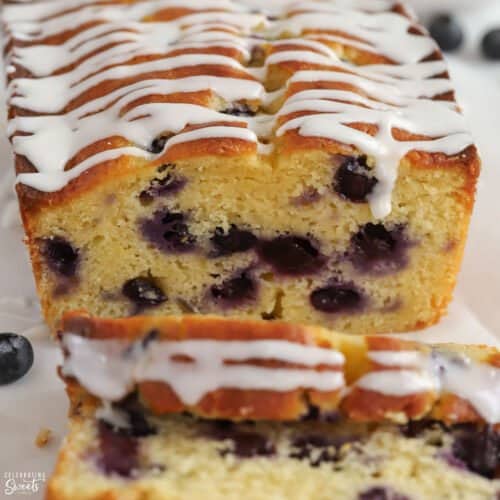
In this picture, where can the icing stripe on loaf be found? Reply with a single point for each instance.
(111, 42)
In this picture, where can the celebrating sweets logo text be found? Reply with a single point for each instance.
(23, 483)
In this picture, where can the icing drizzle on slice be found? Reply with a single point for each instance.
(109, 369)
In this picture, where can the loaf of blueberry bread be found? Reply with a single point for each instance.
(134, 455)
(229, 368)
(295, 160)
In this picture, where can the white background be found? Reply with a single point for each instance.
(39, 400)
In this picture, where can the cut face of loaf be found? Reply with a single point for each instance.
(305, 163)
(224, 368)
(183, 458)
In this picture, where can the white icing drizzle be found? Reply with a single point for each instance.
(388, 96)
(406, 359)
(397, 382)
(110, 368)
(440, 371)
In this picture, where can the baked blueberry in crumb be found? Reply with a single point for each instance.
(118, 451)
(478, 449)
(139, 425)
(415, 428)
(158, 144)
(169, 232)
(378, 250)
(16, 357)
(337, 298)
(61, 257)
(381, 493)
(144, 292)
(239, 109)
(233, 241)
(353, 180)
(244, 444)
(292, 255)
(169, 184)
(235, 290)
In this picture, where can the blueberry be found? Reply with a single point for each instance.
(381, 493)
(376, 249)
(158, 144)
(292, 255)
(244, 444)
(118, 451)
(169, 232)
(491, 44)
(239, 109)
(353, 181)
(415, 428)
(139, 424)
(447, 32)
(144, 292)
(162, 186)
(479, 449)
(337, 298)
(234, 241)
(235, 290)
(61, 257)
(16, 357)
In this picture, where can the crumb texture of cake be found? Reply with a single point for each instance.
(295, 160)
(227, 368)
(181, 458)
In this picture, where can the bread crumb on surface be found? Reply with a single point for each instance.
(43, 437)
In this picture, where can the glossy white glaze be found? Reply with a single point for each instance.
(398, 95)
(110, 368)
(439, 371)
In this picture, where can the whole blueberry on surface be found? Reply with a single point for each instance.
(447, 32)
(491, 44)
(16, 357)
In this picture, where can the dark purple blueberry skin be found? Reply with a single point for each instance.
(452, 461)
(159, 187)
(61, 257)
(234, 241)
(491, 44)
(337, 298)
(244, 444)
(235, 290)
(353, 180)
(16, 357)
(447, 32)
(169, 232)
(381, 493)
(292, 255)
(118, 452)
(378, 250)
(144, 292)
(479, 449)
(139, 424)
(158, 144)
(239, 109)
(415, 428)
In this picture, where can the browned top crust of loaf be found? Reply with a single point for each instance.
(346, 44)
(358, 403)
